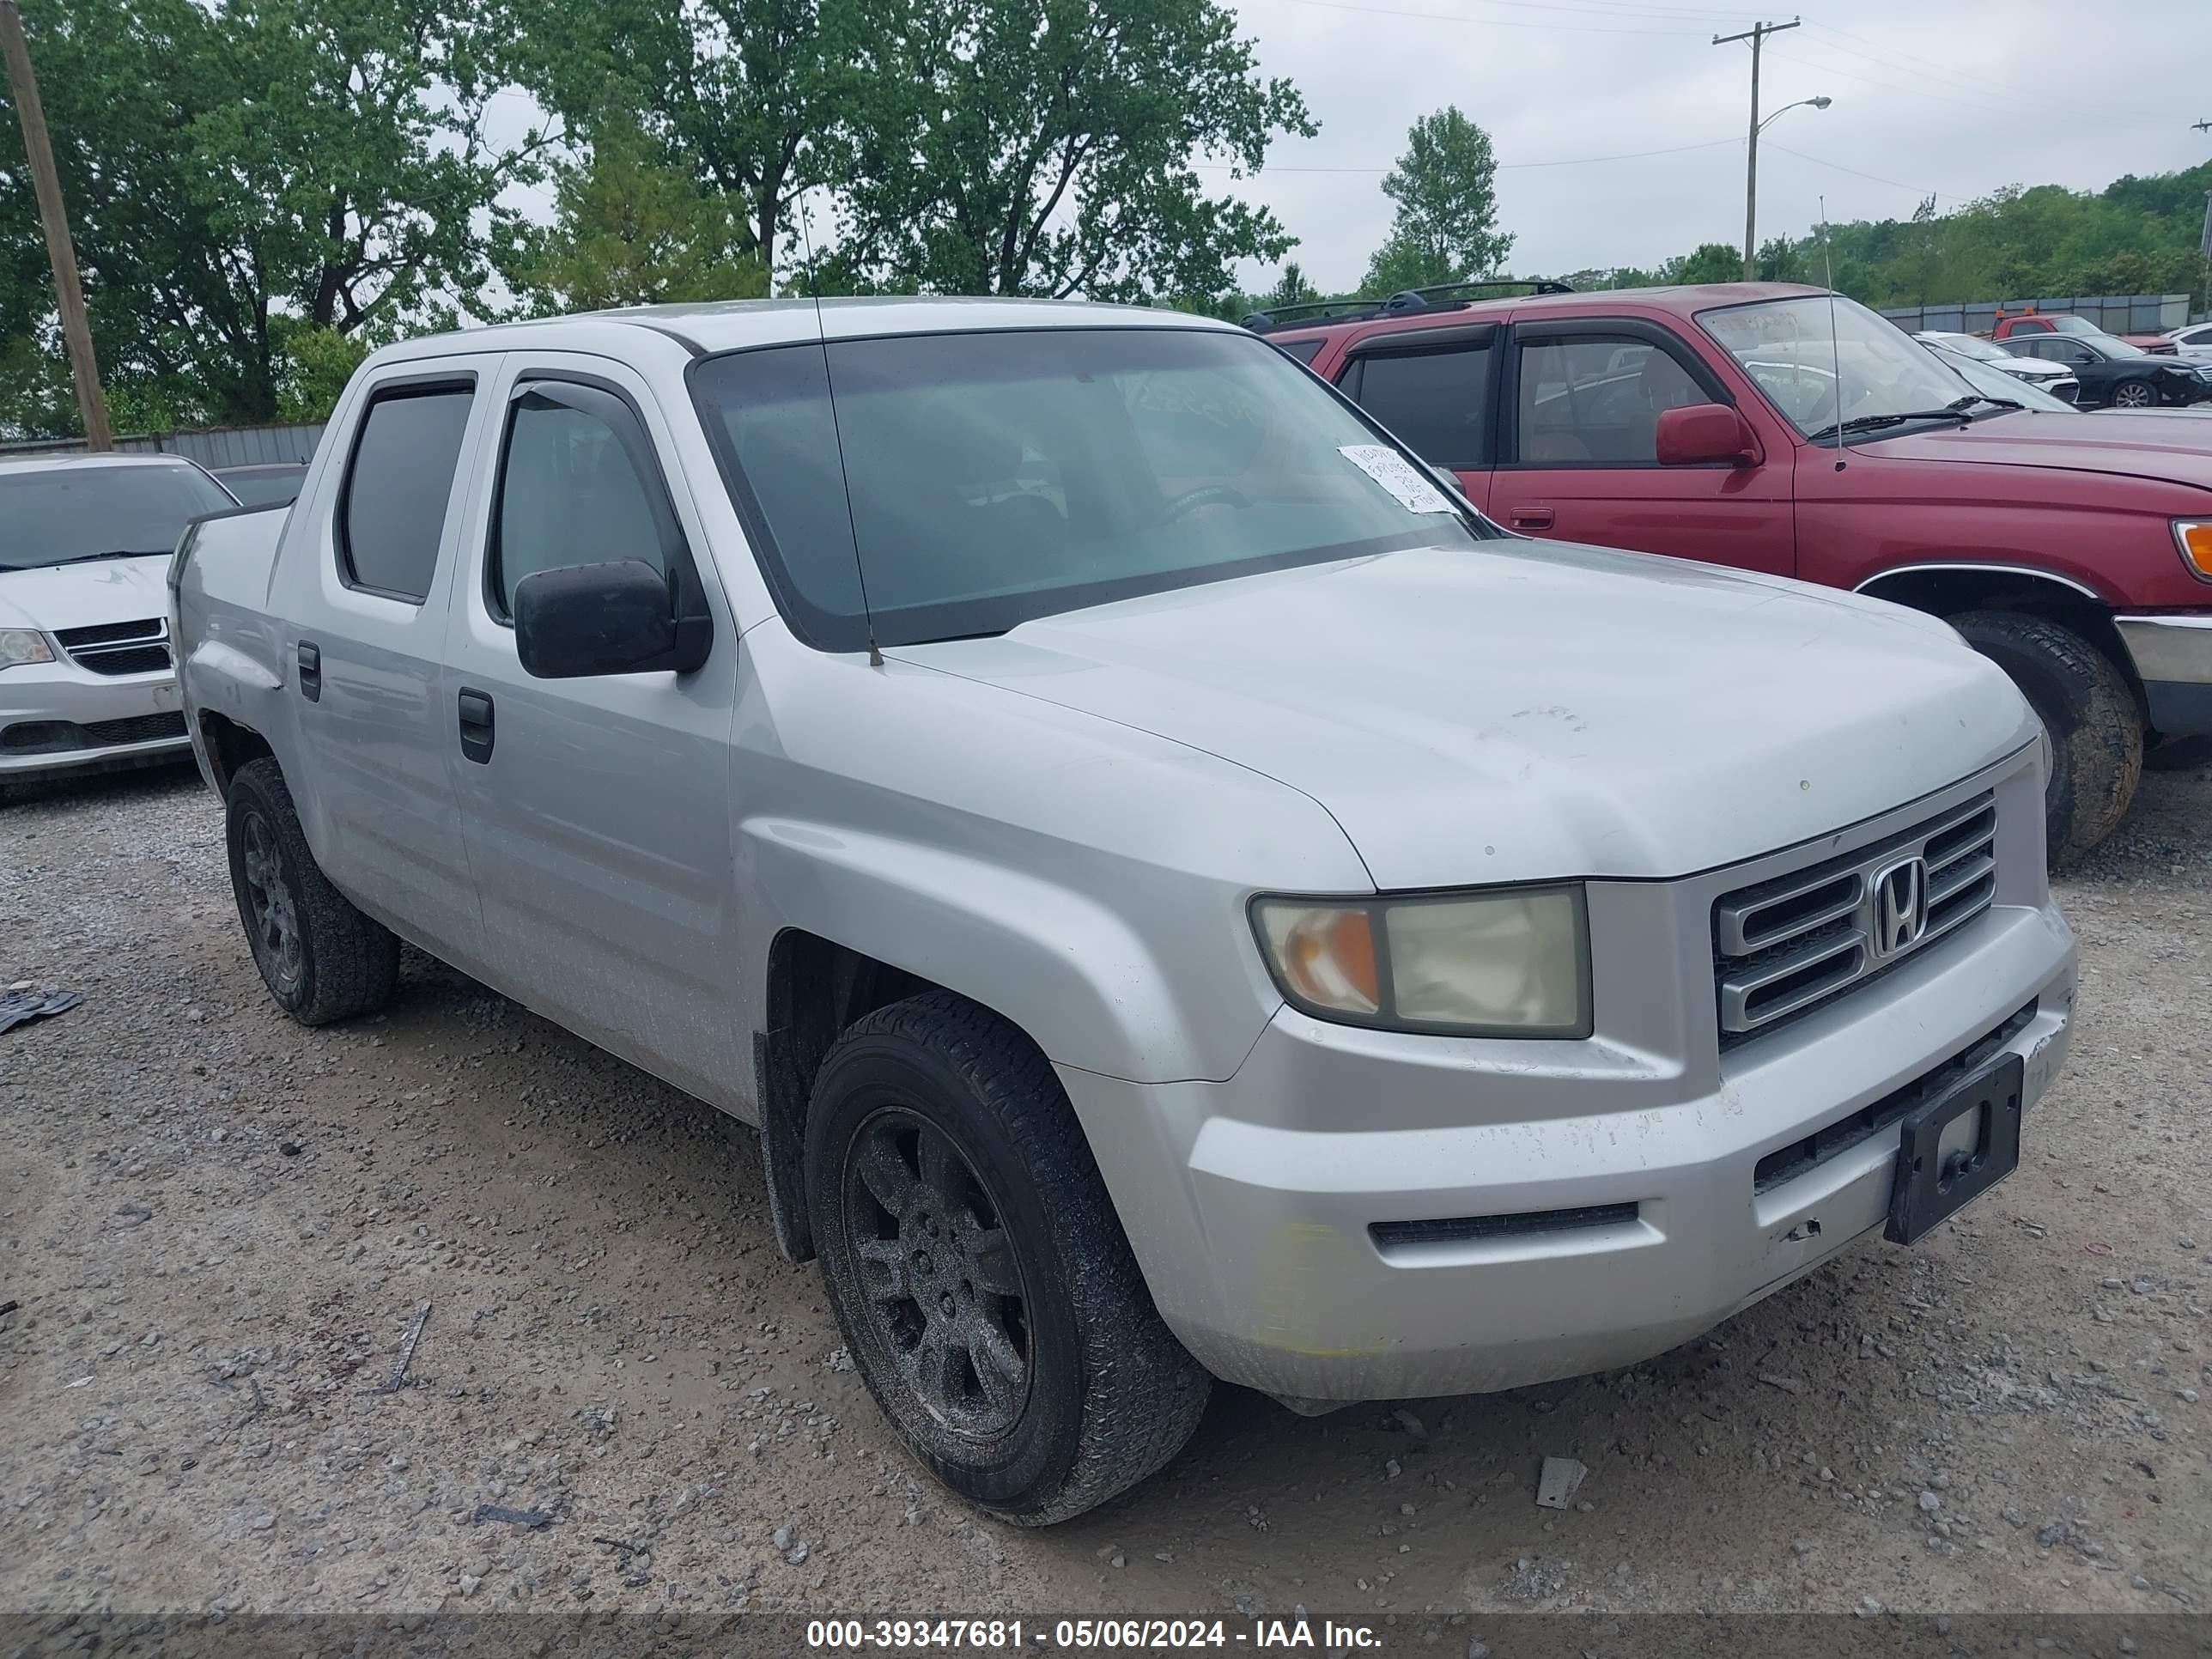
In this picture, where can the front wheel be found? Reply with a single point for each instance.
(2133, 394)
(2096, 732)
(321, 959)
(978, 1270)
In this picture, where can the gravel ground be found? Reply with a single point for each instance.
(222, 1229)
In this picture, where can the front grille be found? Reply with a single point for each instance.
(1788, 944)
(60, 737)
(130, 647)
(1788, 1163)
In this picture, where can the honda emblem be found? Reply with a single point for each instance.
(1900, 905)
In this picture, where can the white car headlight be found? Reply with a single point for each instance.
(1512, 962)
(19, 646)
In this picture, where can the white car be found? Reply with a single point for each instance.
(86, 680)
(2049, 377)
(2194, 341)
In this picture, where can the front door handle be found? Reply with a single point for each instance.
(476, 725)
(1531, 518)
(311, 671)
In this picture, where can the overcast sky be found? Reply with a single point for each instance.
(1955, 96)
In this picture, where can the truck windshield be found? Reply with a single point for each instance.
(1790, 349)
(77, 511)
(964, 484)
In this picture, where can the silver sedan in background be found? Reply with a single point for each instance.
(86, 679)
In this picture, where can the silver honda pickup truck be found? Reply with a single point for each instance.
(1179, 893)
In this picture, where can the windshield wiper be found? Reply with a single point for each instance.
(87, 558)
(1954, 410)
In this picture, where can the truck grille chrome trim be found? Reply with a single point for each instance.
(1791, 942)
(129, 647)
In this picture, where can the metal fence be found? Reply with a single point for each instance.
(211, 447)
(2116, 313)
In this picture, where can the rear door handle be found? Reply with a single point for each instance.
(311, 671)
(476, 725)
(1531, 518)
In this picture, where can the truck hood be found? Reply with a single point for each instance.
(84, 595)
(1525, 711)
(2152, 445)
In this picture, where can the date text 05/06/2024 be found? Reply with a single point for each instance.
(1323, 1636)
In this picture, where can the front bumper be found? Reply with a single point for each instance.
(1621, 1184)
(55, 717)
(2173, 656)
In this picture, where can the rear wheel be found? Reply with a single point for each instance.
(321, 959)
(2096, 732)
(980, 1277)
(2133, 394)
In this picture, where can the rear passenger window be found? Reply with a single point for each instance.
(576, 486)
(1303, 351)
(391, 515)
(1437, 402)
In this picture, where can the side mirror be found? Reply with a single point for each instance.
(623, 618)
(1705, 434)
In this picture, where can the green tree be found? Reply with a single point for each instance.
(318, 363)
(1291, 288)
(1046, 146)
(736, 94)
(234, 165)
(627, 229)
(1713, 262)
(1445, 230)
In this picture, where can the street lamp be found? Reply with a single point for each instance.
(1750, 169)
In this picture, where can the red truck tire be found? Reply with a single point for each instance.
(2084, 701)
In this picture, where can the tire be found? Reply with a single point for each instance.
(2133, 394)
(321, 959)
(2084, 702)
(995, 1311)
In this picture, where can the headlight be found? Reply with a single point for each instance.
(20, 645)
(1514, 962)
(2194, 538)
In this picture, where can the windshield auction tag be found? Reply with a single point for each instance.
(1389, 469)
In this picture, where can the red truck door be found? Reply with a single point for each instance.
(1578, 451)
(1436, 391)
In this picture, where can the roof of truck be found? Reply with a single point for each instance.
(727, 324)
(81, 457)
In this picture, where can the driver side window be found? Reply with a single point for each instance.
(571, 489)
(1595, 400)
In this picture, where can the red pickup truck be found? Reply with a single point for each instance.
(2027, 325)
(1780, 429)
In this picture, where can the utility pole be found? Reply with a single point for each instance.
(77, 332)
(1756, 34)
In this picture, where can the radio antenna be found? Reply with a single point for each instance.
(1835, 345)
(822, 334)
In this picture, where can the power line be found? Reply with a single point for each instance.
(1891, 86)
(1463, 21)
(1881, 54)
(1918, 189)
(1980, 94)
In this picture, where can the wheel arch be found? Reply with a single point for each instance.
(815, 987)
(227, 745)
(1944, 588)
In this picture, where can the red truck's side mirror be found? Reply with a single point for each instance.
(1706, 435)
